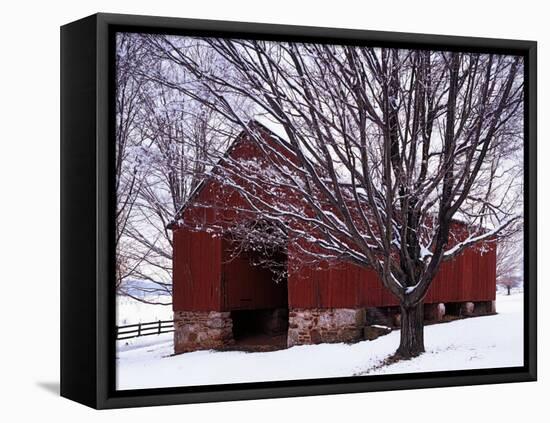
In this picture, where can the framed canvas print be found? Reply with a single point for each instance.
(257, 211)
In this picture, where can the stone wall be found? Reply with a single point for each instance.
(202, 330)
(314, 326)
(467, 308)
(434, 312)
(485, 307)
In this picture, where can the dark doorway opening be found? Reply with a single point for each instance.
(260, 330)
(255, 290)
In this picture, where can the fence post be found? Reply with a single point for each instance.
(139, 329)
(159, 326)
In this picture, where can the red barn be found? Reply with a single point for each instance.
(220, 299)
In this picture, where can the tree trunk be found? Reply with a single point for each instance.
(508, 288)
(412, 331)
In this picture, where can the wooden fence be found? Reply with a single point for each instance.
(144, 329)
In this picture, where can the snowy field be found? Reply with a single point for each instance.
(482, 342)
(130, 311)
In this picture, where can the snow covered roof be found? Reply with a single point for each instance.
(274, 130)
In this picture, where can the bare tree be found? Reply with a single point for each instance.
(381, 151)
(509, 282)
(128, 168)
(510, 263)
(180, 139)
(166, 140)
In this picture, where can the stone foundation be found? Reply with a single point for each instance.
(315, 326)
(202, 330)
(485, 307)
(434, 312)
(470, 308)
(467, 308)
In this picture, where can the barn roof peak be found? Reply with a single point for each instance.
(271, 128)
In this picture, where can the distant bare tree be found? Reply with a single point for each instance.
(509, 282)
(510, 263)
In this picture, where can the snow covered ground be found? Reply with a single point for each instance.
(482, 342)
(130, 311)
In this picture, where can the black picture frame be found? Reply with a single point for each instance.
(87, 217)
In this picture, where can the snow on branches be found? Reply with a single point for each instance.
(378, 151)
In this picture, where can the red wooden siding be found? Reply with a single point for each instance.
(205, 279)
(197, 271)
(469, 277)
